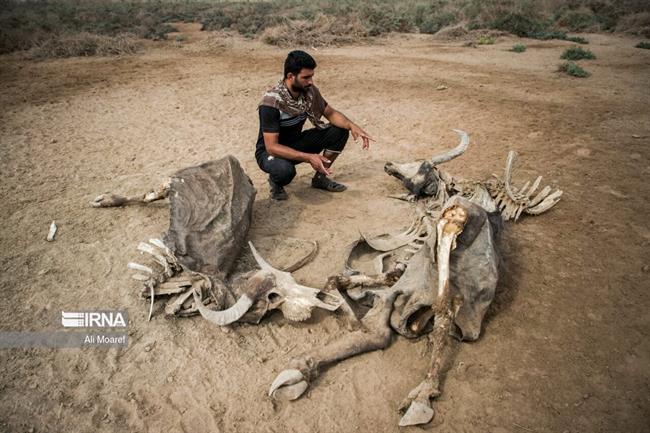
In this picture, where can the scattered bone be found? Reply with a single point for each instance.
(52, 232)
(139, 267)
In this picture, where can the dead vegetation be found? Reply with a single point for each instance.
(84, 44)
(322, 30)
(31, 23)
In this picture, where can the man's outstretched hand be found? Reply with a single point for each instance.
(358, 132)
(318, 162)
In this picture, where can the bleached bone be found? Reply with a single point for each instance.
(418, 402)
(513, 202)
(160, 259)
(52, 232)
(139, 267)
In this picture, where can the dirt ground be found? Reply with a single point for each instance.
(565, 347)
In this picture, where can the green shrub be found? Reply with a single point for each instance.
(574, 70)
(577, 40)
(644, 45)
(518, 48)
(485, 40)
(379, 18)
(577, 20)
(548, 34)
(433, 23)
(577, 53)
(518, 24)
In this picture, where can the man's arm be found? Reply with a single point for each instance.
(273, 147)
(339, 119)
(270, 125)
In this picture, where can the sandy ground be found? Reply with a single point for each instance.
(565, 347)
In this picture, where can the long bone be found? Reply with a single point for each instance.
(111, 200)
(417, 405)
(375, 333)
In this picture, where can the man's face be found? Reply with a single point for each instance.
(303, 81)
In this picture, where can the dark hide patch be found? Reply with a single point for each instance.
(211, 211)
(473, 269)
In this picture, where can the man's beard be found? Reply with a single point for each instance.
(298, 88)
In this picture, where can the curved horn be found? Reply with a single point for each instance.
(456, 151)
(303, 261)
(263, 264)
(225, 317)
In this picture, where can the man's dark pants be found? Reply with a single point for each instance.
(282, 171)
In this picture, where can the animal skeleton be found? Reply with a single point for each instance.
(444, 266)
(211, 209)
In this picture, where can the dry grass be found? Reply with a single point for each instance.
(635, 24)
(31, 23)
(83, 44)
(323, 30)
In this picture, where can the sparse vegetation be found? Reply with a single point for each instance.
(573, 69)
(644, 45)
(577, 40)
(577, 53)
(518, 48)
(29, 23)
(485, 40)
(84, 44)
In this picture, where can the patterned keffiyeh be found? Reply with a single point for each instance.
(311, 103)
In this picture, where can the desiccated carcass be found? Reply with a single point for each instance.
(210, 215)
(439, 275)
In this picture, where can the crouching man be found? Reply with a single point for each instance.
(282, 143)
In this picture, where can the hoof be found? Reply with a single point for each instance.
(417, 413)
(289, 385)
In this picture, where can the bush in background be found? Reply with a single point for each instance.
(518, 48)
(577, 53)
(83, 44)
(27, 23)
(577, 40)
(573, 69)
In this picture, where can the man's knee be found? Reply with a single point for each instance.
(339, 137)
(281, 171)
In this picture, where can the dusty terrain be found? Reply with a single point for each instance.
(565, 347)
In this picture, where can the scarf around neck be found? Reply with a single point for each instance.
(310, 102)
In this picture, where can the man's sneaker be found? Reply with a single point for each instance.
(277, 191)
(321, 181)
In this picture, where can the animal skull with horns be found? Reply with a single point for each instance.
(210, 214)
(443, 267)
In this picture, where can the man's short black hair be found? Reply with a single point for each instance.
(296, 61)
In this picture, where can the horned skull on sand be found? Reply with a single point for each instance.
(439, 276)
